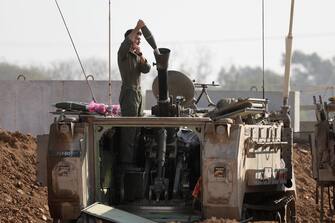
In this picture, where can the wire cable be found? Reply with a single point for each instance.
(74, 47)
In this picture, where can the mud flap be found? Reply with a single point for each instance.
(107, 213)
(42, 150)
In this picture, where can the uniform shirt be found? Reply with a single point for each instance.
(130, 66)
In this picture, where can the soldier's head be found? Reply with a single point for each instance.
(137, 40)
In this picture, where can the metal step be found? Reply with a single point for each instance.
(105, 213)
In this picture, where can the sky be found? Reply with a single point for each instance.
(224, 32)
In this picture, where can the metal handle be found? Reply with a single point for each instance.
(90, 76)
(21, 76)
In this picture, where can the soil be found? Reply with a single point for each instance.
(307, 209)
(23, 199)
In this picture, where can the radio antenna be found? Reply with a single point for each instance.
(109, 56)
(263, 49)
(74, 47)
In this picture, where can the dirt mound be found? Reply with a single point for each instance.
(307, 209)
(22, 199)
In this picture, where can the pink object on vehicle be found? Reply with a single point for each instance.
(115, 110)
(97, 107)
(104, 109)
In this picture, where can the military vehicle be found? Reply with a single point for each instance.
(322, 142)
(233, 160)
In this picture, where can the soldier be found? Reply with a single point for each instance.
(131, 64)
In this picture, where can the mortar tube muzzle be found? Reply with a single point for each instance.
(162, 58)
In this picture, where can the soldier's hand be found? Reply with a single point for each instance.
(140, 24)
(137, 49)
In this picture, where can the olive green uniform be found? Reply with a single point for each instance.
(130, 96)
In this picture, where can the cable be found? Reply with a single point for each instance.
(74, 47)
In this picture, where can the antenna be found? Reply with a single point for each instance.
(109, 56)
(288, 57)
(263, 49)
(74, 47)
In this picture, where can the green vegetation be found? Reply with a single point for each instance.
(307, 70)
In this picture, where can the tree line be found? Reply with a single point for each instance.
(307, 70)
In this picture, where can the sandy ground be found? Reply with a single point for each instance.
(24, 200)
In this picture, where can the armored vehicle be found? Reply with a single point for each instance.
(233, 160)
(322, 142)
(236, 160)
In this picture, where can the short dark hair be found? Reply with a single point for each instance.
(129, 31)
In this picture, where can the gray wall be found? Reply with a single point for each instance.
(26, 105)
(275, 101)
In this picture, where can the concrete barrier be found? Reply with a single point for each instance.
(26, 105)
